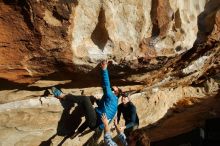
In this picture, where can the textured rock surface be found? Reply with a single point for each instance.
(39, 38)
(35, 121)
(168, 51)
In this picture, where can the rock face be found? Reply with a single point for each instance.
(168, 50)
(163, 113)
(39, 38)
(33, 42)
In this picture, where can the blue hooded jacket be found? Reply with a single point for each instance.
(109, 102)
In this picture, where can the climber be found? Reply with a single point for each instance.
(107, 104)
(128, 110)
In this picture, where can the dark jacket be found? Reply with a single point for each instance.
(129, 113)
(109, 102)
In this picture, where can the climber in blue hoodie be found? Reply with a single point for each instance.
(109, 101)
(107, 104)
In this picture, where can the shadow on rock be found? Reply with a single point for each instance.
(93, 140)
(68, 123)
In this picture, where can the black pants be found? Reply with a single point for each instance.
(90, 113)
(129, 130)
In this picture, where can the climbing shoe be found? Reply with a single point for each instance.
(56, 92)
